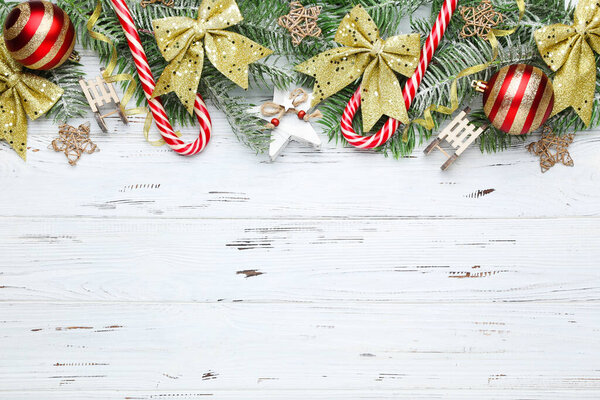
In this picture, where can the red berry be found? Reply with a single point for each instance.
(301, 114)
(275, 122)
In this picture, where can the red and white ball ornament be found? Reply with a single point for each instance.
(518, 99)
(39, 35)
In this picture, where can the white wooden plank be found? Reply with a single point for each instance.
(408, 261)
(345, 346)
(131, 178)
(429, 394)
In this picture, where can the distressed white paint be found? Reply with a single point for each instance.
(295, 346)
(337, 274)
(304, 260)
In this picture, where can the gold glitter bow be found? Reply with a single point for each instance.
(366, 53)
(182, 41)
(569, 51)
(22, 95)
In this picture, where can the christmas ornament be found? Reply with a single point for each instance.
(301, 22)
(182, 41)
(427, 121)
(459, 134)
(409, 92)
(156, 107)
(296, 127)
(368, 55)
(22, 95)
(74, 142)
(518, 99)
(552, 149)
(98, 92)
(39, 35)
(569, 51)
(479, 20)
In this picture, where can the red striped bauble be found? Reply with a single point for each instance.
(39, 35)
(518, 99)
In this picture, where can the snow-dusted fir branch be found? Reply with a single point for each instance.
(455, 54)
(73, 103)
(260, 24)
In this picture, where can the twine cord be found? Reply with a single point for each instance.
(74, 142)
(479, 20)
(552, 149)
(301, 22)
(298, 97)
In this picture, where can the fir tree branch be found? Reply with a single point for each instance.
(72, 103)
(455, 54)
(260, 24)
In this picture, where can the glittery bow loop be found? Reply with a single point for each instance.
(569, 50)
(366, 54)
(21, 94)
(183, 41)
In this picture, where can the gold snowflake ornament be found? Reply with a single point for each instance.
(74, 142)
(479, 20)
(552, 149)
(301, 22)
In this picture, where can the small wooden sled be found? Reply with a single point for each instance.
(459, 134)
(98, 92)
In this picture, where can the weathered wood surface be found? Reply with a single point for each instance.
(337, 274)
(200, 260)
(294, 346)
(130, 178)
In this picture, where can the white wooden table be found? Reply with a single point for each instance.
(338, 274)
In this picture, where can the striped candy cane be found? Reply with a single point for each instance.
(156, 107)
(410, 89)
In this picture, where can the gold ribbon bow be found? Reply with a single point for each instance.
(22, 95)
(366, 53)
(569, 51)
(182, 41)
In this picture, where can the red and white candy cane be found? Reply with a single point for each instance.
(156, 107)
(410, 89)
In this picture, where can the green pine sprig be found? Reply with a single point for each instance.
(453, 55)
(72, 103)
(260, 24)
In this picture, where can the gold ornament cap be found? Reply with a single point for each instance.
(479, 86)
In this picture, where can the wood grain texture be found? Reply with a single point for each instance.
(407, 261)
(130, 178)
(427, 394)
(298, 346)
(338, 274)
